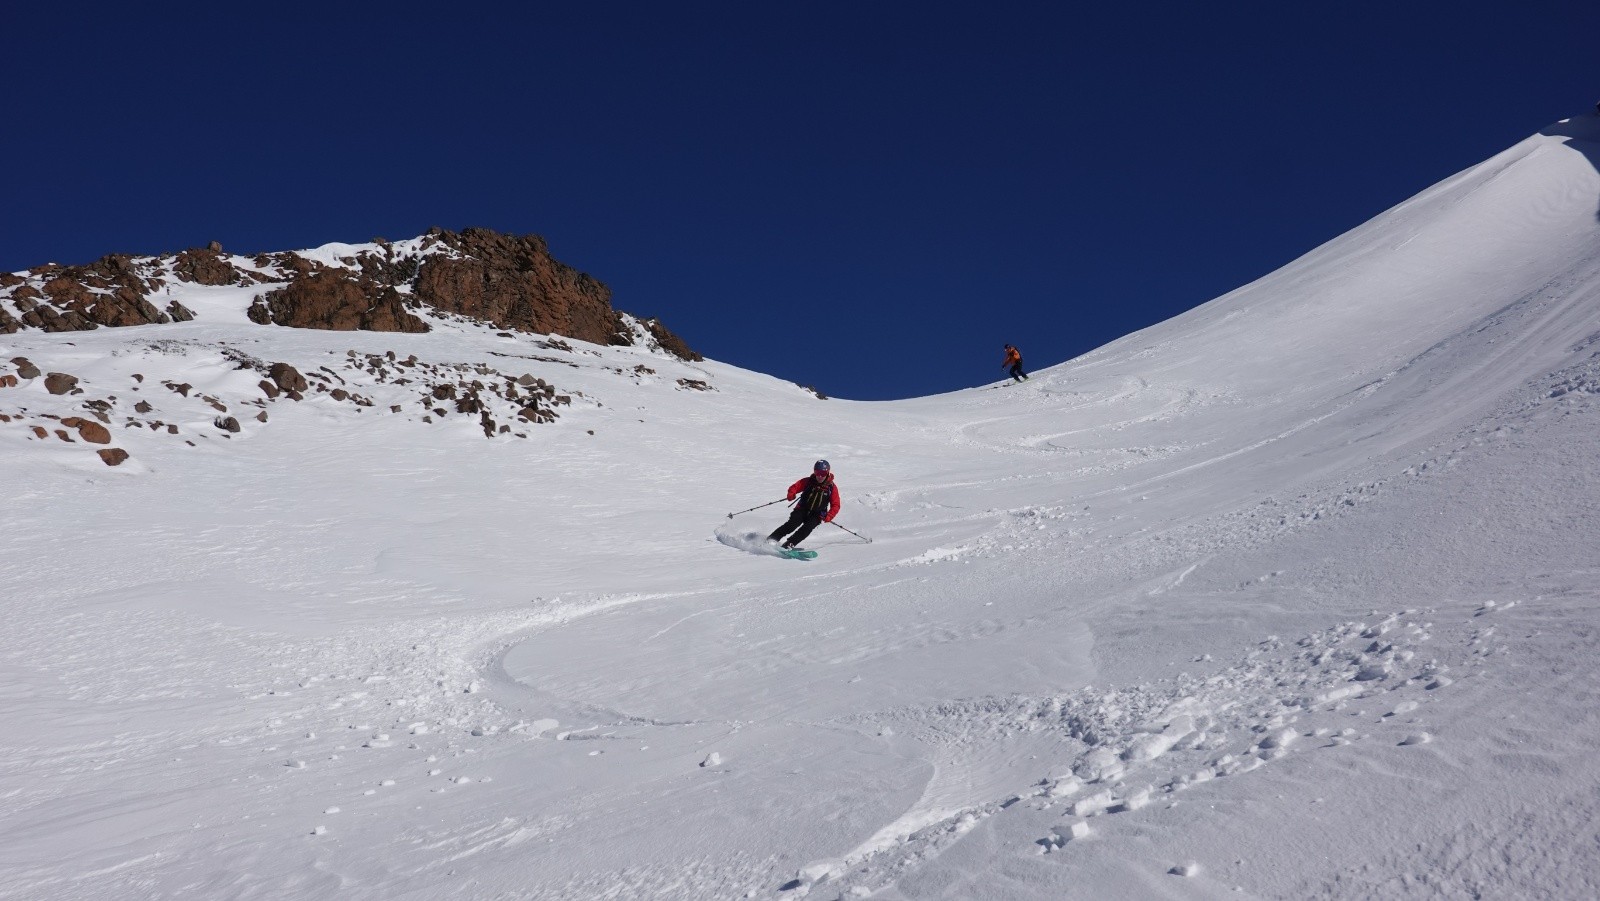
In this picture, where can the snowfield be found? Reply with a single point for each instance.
(1295, 595)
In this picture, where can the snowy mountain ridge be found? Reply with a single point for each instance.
(1293, 595)
(335, 287)
(511, 282)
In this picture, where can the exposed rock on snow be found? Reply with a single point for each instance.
(338, 301)
(507, 281)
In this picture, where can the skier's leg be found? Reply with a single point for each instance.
(795, 519)
(805, 531)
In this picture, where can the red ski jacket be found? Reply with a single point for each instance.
(814, 495)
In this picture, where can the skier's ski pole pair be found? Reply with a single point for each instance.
(816, 501)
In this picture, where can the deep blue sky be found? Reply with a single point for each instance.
(868, 197)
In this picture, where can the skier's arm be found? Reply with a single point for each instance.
(833, 503)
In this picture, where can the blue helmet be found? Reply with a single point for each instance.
(822, 466)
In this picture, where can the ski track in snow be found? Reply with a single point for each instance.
(1123, 750)
(416, 695)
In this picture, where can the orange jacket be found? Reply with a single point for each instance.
(1013, 357)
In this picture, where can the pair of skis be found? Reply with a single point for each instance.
(796, 553)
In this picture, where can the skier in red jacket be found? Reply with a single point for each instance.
(819, 503)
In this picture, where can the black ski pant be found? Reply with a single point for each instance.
(1017, 373)
(803, 520)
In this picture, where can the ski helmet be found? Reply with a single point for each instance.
(822, 466)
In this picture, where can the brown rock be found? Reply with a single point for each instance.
(227, 424)
(514, 283)
(60, 382)
(112, 291)
(508, 281)
(126, 306)
(288, 378)
(113, 455)
(332, 300)
(40, 431)
(8, 381)
(142, 407)
(25, 369)
(669, 342)
(205, 266)
(92, 432)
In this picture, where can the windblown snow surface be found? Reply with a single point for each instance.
(1293, 596)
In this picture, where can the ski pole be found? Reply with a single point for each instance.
(857, 534)
(759, 506)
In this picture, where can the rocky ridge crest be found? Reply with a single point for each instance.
(509, 282)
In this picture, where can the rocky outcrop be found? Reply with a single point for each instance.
(110, 291)
(514, 283)
(205, 267)
(332, 300)
(510, 282)
(669, 342)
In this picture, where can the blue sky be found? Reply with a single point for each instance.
(870, 198)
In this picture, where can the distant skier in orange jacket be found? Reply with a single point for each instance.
(1014, 363)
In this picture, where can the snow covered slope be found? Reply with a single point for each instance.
(1294, 595)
